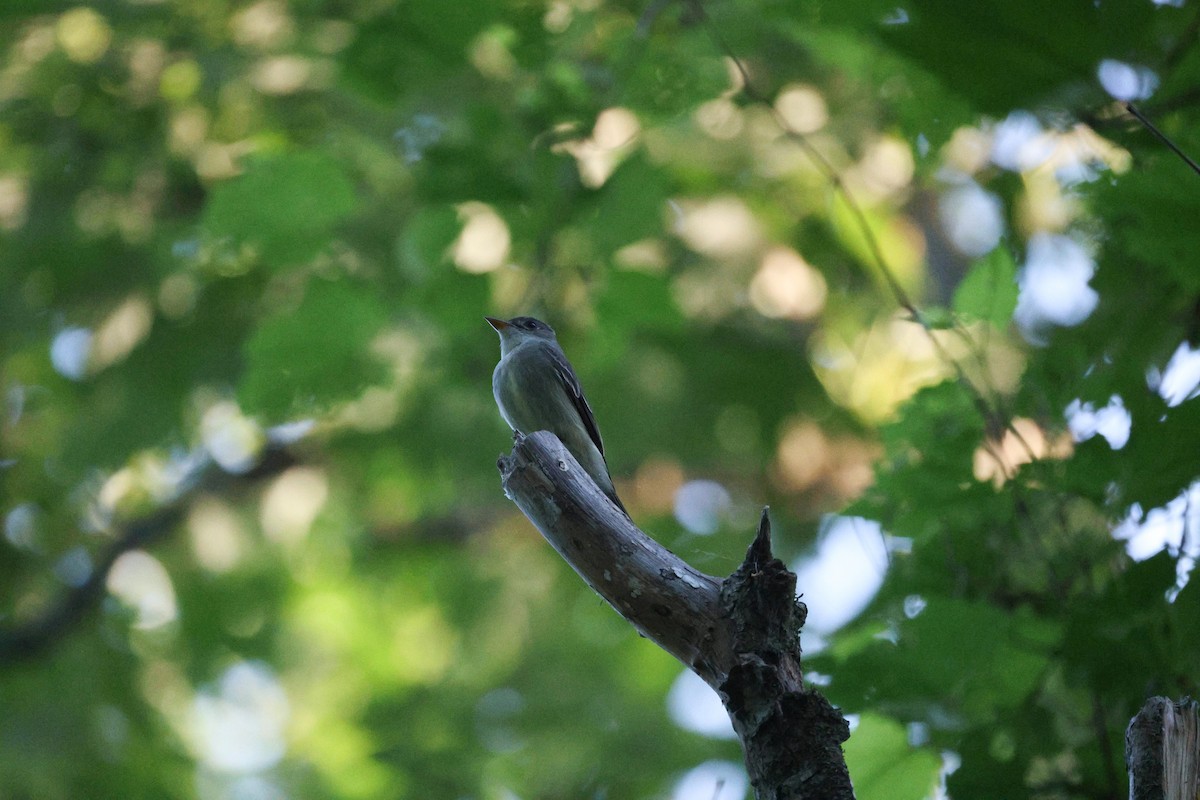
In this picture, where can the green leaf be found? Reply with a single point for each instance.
(284, 207)
(1026, 62)
(867, 231)
(885, 766)
(1158, 462)
(989, 290)
(937, 318)
(639, 302)
(671, 73)
(425, 243)
(633, 304)
(1152, 209)
(316, 355)
(629, 205)
(1134, 608)
(968, 656)
(447, 29)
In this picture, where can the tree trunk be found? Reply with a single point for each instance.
(1162, 750)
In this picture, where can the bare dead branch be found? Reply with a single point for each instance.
(741, 634)
(676, 607)
(1162, 750)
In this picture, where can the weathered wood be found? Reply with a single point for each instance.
(791, 735)
(741, 634)
(1162, 750)
(667, 601)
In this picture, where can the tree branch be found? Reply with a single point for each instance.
(28, 639)
(740, 634)
(676, 607)
(31, 638)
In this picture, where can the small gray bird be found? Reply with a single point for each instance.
(536, 390)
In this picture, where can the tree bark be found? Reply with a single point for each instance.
(741, 635)
(1162, 750)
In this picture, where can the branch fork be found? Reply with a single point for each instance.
(740, 634)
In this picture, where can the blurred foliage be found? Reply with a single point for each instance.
(226, 226)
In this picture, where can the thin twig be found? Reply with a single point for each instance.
(899, 293)
(1162, 137)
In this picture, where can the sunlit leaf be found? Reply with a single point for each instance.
(885, 766)
(874, 234)
(989, 289)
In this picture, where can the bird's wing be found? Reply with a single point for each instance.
(570, 383)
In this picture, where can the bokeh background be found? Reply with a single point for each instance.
(910, 274)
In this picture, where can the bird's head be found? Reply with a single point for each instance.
(518, 330)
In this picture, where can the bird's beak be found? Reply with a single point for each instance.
(498, 324)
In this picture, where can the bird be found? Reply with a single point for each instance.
(536, 389)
